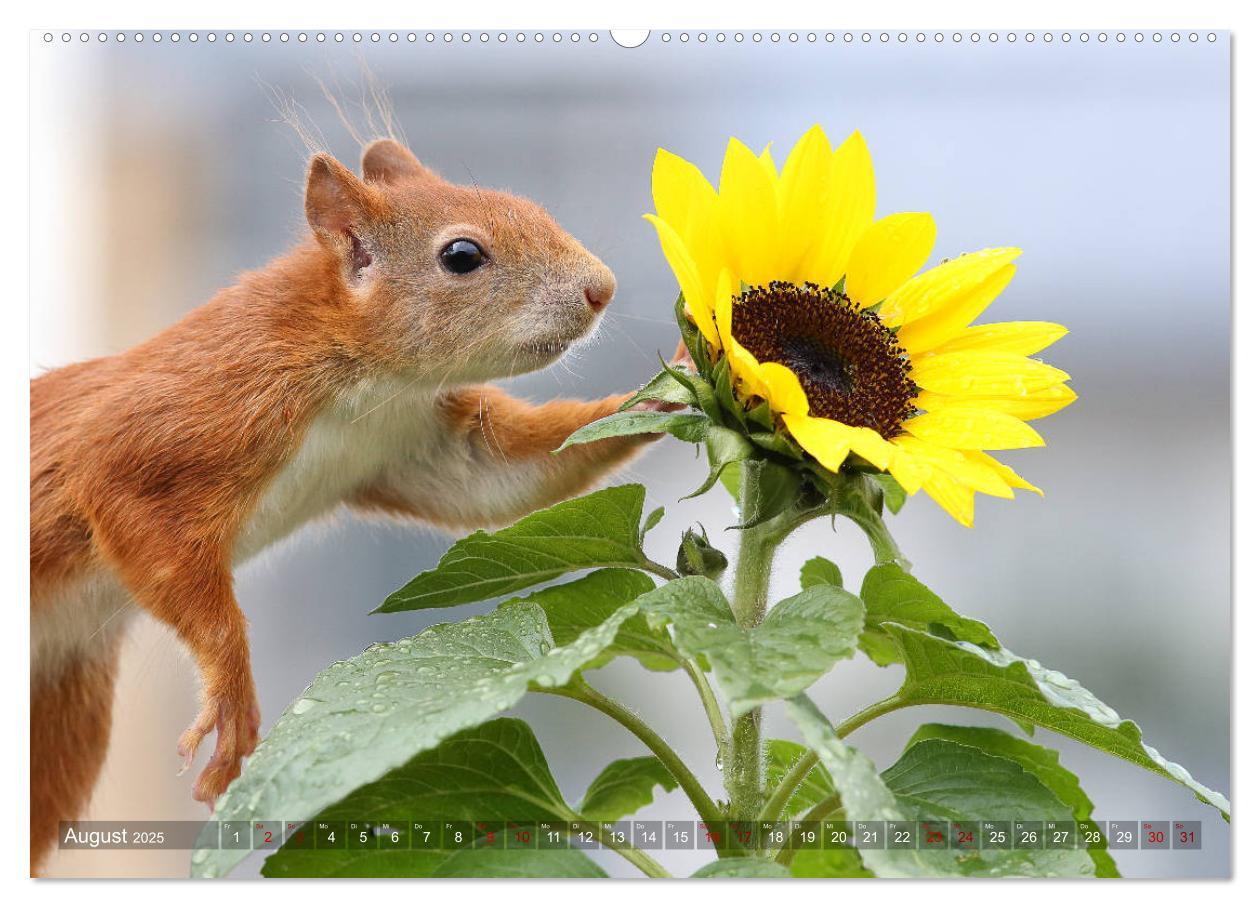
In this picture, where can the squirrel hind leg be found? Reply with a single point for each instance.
(70, 723)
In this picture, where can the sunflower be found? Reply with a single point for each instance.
(820, 310)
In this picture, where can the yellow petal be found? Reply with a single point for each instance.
(949, 320)
(905, 468)
(971, 473)
(687, 201)
(825, 439)
(830, 442)
(944, 286)
(1033, 405)
(767, 164)
(723, 301)
(1009, 476)
(681, 193)
(888, 255)
(869, 444)
(1020, 338)
(684, 269)
(957, 500)
(804, 198)
(745, 370)
(973, 428)
(786, 393)
(749, 215)
(850, 210)
(984, 374)
(745, 367)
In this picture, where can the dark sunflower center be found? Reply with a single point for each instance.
(849, 364)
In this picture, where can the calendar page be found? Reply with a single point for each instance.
(583, 453)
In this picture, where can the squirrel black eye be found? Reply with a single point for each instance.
(462, 256)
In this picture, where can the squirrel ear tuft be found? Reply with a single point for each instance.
(387, 161)
(337, 200)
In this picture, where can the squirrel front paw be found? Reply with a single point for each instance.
(235, 718)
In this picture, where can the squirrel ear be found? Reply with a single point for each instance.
(386, 161)
(337, 200)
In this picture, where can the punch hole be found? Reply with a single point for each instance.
(629, 38)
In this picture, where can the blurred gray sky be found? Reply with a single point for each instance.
(1109, 164)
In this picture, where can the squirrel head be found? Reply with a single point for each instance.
(468, 283)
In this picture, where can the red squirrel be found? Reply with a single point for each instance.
(347, 371)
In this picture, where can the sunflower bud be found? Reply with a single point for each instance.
(696, 557)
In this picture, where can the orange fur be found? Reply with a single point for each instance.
(149, 468)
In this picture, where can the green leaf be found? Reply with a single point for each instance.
(730, 479)
(624, 788)
(781, 756)
(728, 868)
(495, 772)
(724, 448)
(683, 426)
(939, 779)
(865, 796)
(894, 494)
(959, 673)
(365, 716)
(666, 387)
(829, 863)
(818, 571)
(891, 594)
(799, 641)
(1042, 762)
(575, 607)
(596, 530)
(650, 522)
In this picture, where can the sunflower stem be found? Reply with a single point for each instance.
(855, 502)
(757, 545)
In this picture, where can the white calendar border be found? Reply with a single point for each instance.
(1202, 16)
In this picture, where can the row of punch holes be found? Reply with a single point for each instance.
(629, 38)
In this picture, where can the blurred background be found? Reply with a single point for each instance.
(159, 171)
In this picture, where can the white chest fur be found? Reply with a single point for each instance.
(346, 446)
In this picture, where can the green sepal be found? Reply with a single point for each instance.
(775, 488)
(894, 494)
(666, 386)
(777, 443)
(696, 345)
(723, 447)
(725, 390)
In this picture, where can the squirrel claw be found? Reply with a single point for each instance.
(237, 726)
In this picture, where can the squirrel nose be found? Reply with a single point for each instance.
(599, 291)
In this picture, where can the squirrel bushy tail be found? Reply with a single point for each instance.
(70, 721)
